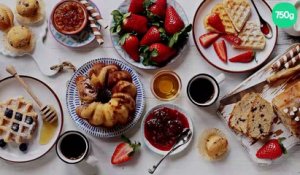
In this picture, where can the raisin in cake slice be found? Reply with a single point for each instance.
(287, 107)
(238, 120)
(260, 119)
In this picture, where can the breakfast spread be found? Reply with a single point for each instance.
(213, 144)
(155, 44)
(18, 121)
(6, 17)
(108, 95)
(30, 11)
(163, 126)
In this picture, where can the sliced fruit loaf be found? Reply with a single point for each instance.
(260, 119)
(239, 116)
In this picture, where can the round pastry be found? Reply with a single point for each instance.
(30, 11)
(113, 104)
(19, 39)
(213, 144)
(6, 18)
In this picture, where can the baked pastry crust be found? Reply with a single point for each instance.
(287, 106)
(31, 15)
(6, 17)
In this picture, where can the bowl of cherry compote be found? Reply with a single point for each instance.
(161, 127)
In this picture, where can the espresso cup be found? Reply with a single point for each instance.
(73, 147)
(203, 89)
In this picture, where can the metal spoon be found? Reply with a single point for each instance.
(263, 24)
(183, 138)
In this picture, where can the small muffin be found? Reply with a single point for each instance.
(213, 144)
(19, 39)
(29, 11)
(6, 18)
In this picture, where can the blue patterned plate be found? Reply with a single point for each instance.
(79, 40)
(115, 37)
(73, 101)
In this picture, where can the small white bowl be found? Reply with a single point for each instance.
(156, 150)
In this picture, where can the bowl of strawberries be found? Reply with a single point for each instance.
(150, 34)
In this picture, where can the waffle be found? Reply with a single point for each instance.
(219, 8)
(238, 11)
(251, 37)
(18, 120)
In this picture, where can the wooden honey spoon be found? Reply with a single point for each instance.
(48, 112)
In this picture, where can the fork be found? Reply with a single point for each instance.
(48, 112)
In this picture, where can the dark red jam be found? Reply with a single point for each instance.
(265, 29)
(163, 126)
(69, 17)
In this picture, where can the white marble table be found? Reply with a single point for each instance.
(189, 161)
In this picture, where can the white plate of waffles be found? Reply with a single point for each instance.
(21, 122)
(239, 19)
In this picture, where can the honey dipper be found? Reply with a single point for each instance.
(48, 112)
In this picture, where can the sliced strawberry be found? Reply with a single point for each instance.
(273, 149)
(136, 6)
(130, 44)
(221, 50)
(215, 21)
(245, 57)
(233, 39)
(124, 151)
(207, 39)
(129, 23)
(173, 22)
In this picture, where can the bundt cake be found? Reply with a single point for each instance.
(108, 95)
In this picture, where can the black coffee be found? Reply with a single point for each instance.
(201, 90)
(73, 146)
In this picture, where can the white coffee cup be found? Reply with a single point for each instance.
(214, 84)
(79, 149)
(295, 29)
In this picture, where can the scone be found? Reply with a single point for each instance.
(30, 11)
(213, 144)
(219, 9)
(6, 18)
(19, 39)
(238, 11)
(252, 37)
(252, 117)
(287, 107)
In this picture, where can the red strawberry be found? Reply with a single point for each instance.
(271, 150)
(233, 39)
(215, 21)
(157, 8)
(207, 39)
(161, 53)
(153, 35)
(136, 6)
(245, 57)
(129, 23)
(130, 44)
(220, 48)
(173, 22)
(124, 151)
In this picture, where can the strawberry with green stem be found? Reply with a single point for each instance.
(273, 149)
(173, 22)
(129, 22)
(157, 54)
(124, 151)
(155, 8)
(131, 44)
(154, 35)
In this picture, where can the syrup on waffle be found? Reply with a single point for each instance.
(238, 11)
(251, 37)
(18, 120)
(226, 21)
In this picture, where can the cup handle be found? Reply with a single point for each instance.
(91, 160)
(220, 78)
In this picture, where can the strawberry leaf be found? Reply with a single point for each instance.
(123, 38)
(154, 53)
(180, 38)
(125, 139)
